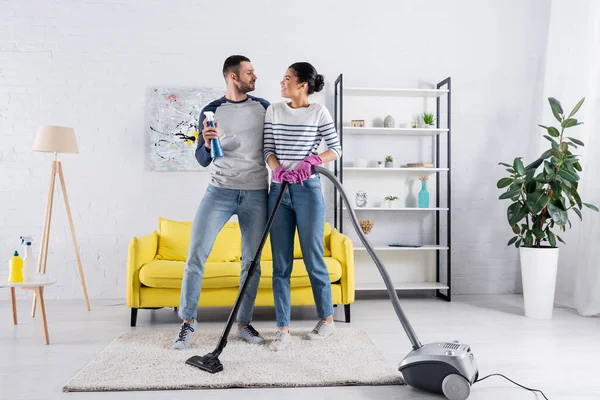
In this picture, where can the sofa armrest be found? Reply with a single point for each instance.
(342, 250)
(141, 251)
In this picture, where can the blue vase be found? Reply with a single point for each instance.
(423, 196)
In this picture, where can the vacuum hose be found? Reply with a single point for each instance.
(382, 270)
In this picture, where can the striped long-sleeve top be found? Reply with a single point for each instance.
(291, 134)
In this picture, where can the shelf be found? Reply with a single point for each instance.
(404, 169)
(388, 92)
(393, 131)
(405, 286)
(397, 209)
(390, 248)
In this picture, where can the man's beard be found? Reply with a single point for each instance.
(244, 87)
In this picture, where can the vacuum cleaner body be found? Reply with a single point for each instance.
(447, 368)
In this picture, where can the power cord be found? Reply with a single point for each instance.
(524, 387)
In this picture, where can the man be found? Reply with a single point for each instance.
(239, 183)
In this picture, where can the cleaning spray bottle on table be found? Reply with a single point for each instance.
(29, 272)
(15, 264)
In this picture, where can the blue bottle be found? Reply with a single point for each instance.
(215, 144)
(423, 195)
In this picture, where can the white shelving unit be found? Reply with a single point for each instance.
(411, 268)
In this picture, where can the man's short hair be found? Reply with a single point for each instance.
(232, 64)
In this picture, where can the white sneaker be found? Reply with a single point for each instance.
(250, 335)
(282, 339)
(322, 330)
(184, 337)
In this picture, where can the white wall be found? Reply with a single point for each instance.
(88, 65)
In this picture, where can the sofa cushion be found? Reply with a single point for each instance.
(174, 241)
(299, 276)
(168, 274)
(267, 254)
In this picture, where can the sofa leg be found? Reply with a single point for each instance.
(134, 316)
(175, 309)
(347, 312)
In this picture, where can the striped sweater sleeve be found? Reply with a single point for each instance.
(329, 134)
(268, 138)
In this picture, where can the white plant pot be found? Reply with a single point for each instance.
(538, 272)
(389, 164)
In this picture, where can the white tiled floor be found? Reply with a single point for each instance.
(561, 356)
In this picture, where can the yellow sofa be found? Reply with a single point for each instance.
(156, 262)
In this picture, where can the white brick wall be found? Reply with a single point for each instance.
(87, 64)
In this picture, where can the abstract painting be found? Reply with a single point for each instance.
(172, 126)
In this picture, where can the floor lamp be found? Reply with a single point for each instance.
(57, 139)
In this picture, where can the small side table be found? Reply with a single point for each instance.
(38, 287)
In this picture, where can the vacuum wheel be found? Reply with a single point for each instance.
(456, 387)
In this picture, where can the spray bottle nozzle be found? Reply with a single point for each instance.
(26, 240)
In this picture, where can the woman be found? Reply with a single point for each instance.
(293, 132)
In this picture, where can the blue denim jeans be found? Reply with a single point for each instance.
(216, 208)
(304, 207)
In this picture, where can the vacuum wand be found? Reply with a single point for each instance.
(412, 336)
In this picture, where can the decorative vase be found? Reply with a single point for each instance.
(423, 195)
(389, 164)
(538, 272)
(389, 122)
(379, 164)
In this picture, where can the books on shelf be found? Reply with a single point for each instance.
(422, 164)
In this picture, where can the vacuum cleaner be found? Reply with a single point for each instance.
(446, 368)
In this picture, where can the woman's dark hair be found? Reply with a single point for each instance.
(305, 72)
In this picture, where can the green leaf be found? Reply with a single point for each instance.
(516, 229)
(557, 213)
(569, 122)
(575, 195)
(515, 213)
(556, 153)
(504, 182)
(556, 188)
(543, 126)
(552, 131)
(576, 108)
(531, 186)
(576, 141)
(556, 108)
(518, 166)
(549, 168)
(551, 237)
(505, 164)
(529, 239)
(560, 239)
(591, 206)
(510, 194)
(538, 232)
(513, 240)
(564, 146)
(518, 243)
(550, 139)
(568, 175)
(577, 166)
(535, 164)
(537, 201)
(578, 213)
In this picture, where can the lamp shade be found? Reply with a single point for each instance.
(55, 139)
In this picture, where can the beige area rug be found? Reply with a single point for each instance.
(144, 360)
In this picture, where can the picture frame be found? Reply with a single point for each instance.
(357, 123)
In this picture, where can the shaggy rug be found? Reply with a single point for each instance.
(144, 360)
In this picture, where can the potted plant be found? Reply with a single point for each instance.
(428, 120)
(389, 162)
(379, 164)
(542, 194)
(390, 201)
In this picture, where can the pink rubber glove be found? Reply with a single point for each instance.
(291, 176)
(278, 174)
(304, 169)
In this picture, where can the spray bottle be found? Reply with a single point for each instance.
(29, 272)
(215, 144)
(16, 269)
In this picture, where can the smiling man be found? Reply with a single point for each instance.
(239, 182)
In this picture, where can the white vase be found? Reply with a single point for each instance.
(538, 272)
(389, 164)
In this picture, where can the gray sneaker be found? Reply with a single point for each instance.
(184, 338)
(282, 339)
(250, 335)
(321, 330)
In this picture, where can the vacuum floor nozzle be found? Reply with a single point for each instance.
(209, 363)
